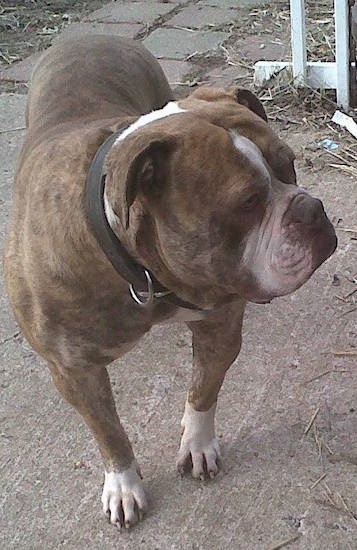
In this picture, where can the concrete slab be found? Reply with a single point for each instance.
(131, 12)
(128, 30)
(179, 43)
(226, 75)
(12, 122)
(199, 16)
(20, 71)
(235, 4)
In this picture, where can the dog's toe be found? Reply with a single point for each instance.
(213, 459)
(123, 497)
(202, 461)
(199, 449)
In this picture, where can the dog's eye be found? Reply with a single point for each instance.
(251, 202)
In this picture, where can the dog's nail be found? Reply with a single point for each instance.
(202, 477)
(212, 474)
(116, 523)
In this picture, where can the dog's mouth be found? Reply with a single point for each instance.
(281, 272)
(290, 249)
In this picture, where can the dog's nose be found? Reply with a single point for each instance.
(307, 210)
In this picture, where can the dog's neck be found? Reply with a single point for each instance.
(103, 219)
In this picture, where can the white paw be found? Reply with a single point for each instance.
(123, 497)
(199, 444)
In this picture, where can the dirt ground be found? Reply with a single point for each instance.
(29, 26)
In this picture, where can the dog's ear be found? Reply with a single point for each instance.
(135, 165)
(281, 159)
(248, 99)
(240, 95)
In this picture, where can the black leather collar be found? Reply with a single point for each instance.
(135, 274)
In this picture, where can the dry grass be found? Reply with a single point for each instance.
(274, 20)
(320, 30)
(311, 422)
(285, 542)
(28, 26)
(331, 498)
(337, 501)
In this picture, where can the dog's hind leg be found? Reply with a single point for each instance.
(216, 343)
(89, 391)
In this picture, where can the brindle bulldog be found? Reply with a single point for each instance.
(123, 219)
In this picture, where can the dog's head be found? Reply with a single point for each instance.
(210, 195)
(240, 110)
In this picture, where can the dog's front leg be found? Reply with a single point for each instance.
(216, 343)
(89, 391)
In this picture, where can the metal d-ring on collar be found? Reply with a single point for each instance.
(148, 294)
(137, 296)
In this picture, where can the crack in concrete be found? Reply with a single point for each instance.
(9, 338)
(159, 21)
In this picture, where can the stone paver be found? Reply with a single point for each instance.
(225, 75)
(175, 70)
(179, 43)
(234, 3)
(202, 16)
(131, 12)
(20, 71)
(128, 30)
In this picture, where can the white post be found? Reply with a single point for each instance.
(317, 74)
(342, 52)
(298, 39)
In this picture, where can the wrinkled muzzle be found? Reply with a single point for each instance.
(294, 247)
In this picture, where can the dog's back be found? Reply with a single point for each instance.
(80, 91)
(112, 72)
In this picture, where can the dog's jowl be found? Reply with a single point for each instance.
(132, 209)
